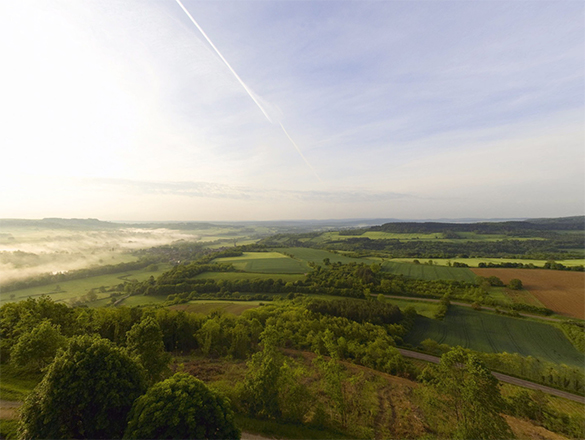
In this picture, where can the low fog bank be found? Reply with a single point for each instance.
(25, 253)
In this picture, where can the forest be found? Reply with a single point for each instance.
(330, 353)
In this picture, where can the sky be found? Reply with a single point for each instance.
(123, 110)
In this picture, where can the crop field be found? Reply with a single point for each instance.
(266, 262)
(428, 272)
(493, 333)
(66, 290)
(560, 291)
(318, 255)
(473, 262)
(231, 276)
(205, 306)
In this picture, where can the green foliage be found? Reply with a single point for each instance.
(37, 348)
(575, 331)
(144, 341)
(462, 389)
(87, 392)
(261, 386)
(358, 310)
(515, 284)
(181, 407)
(535, 406)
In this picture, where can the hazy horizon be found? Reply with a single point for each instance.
(327, 110)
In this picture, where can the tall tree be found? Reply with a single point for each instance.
(181, 407)
(145, 342)
(87, 392)
(462, 388)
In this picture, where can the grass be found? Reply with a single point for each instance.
(318, 255)
(279, 429)
(78, 288)
(492, 333)
(231, 276)
(16, 385)
(427, 309)
(266, 262)
(429, 272)
(473, 262)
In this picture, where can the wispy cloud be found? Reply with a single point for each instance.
(222, 191)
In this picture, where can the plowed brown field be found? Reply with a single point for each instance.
(560, 291)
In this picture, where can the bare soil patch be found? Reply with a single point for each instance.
(560, 291)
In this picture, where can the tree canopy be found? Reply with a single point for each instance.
(87, 392)
(181, 407)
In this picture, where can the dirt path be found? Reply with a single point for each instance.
(502, 377)
(456, 303)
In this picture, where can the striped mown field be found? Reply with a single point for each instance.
(491, 333)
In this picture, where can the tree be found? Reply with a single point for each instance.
(87, 392)
(37, 349)
(181, 407)
(515, 284)
(462, 388)
(260, 393)
(145, 342)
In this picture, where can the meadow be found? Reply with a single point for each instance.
(318, 255)
(429, 272)
(67, 290)
(492, 333)
(266, 262)
(560, 291)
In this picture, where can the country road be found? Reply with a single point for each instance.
(502, 377)
(456, 303)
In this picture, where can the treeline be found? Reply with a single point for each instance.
(214, 335)
(562, 377)
(557, 248)
(553, 265)
(359, 311)
(509, 227)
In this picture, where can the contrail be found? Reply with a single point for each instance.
(248, 91)
(299, 151)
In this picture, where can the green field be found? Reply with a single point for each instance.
(428, 272)
(77, 288)
(473, 262)
(423, 308)
(491, 333)
(231, 276)
(318, 255)
(266, 262)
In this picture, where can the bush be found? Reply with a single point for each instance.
(181, 407)
(515, 284)
(87, 393)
